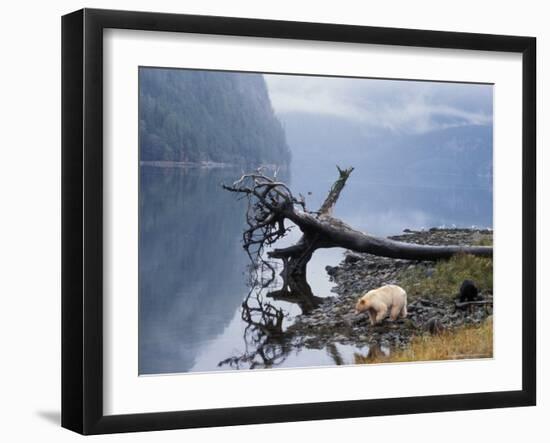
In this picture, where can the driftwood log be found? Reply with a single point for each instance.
(473, 303)
(272, 208)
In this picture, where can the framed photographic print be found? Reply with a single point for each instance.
(269, 221)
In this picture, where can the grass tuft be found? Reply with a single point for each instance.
(462, 343)
(483, 240)
(448, 275)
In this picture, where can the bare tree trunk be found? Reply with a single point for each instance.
(337, 235)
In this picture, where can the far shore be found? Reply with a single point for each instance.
(201, 165)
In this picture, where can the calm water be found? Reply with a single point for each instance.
(192, 267)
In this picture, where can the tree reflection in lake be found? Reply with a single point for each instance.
(264, 338)
(193, 277)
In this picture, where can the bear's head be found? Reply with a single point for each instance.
(362, 305)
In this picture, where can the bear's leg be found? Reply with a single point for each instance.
(395, 311)
(372, 316)
(403, 312)
(381, 313)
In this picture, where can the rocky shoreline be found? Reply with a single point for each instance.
(335, 320)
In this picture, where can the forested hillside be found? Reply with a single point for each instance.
(195, 116)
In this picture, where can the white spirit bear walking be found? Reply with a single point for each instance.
(380, 301)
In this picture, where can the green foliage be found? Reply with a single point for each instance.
(194, 116)
(484, 240)
(447, 276)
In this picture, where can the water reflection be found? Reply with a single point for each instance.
(266, 344)
(190, 265)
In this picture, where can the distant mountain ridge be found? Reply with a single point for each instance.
(208, 116)
(450, 154)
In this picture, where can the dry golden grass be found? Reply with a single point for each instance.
(447, 277)
(463, 343)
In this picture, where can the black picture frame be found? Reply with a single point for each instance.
(82, 218)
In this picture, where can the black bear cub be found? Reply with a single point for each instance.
(468, 291)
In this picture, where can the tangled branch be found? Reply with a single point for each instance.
(269, 203)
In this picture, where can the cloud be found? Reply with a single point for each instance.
(396, 105)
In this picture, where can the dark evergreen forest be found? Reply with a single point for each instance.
(200, 116)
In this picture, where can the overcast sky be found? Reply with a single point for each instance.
(400, 106)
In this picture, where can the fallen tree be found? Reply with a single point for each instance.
(272, 208)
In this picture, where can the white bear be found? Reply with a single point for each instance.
(380, 301)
